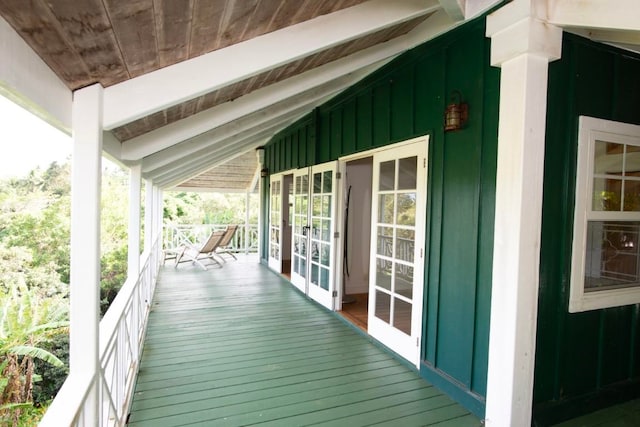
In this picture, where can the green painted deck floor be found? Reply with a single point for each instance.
(239, 346)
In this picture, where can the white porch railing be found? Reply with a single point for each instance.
(122, 331)
(244, 240)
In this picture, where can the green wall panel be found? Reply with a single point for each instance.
(462, 163)
(583, 360)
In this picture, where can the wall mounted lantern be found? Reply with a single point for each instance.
(457, 113)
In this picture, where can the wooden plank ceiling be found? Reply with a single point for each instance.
(108, 42)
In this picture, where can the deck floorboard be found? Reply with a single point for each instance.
(239, 346)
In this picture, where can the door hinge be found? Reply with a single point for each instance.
(334, 294)
(424, 163)
(420, 252)
(336, 234)
(417, 341)
(338, 175)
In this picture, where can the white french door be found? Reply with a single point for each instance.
(275, 223)
(397, 240)
(313, 243)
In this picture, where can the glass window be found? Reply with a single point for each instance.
(606, 260)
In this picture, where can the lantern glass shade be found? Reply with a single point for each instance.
(455, 116)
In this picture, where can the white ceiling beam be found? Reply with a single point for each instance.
(454, 8)
(26, 80)
(602, 14)
(609, 36)
(229, 147)
(172, 85)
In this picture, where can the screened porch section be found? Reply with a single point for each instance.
(238, 345)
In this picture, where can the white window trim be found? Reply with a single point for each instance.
(589, 130)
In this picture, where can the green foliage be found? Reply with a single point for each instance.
(27, 319)
(209, 208)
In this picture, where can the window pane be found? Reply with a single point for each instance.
(407, 169)
(608, 158)
(304, 186)
(326, 206)
(314, 274)
(383, 306)
(385, 241)
(383, 273)
(324, 279)
(317, 205)
(404, 280)
(402, 315)
(317, 183)
(387, 175)
(324, 256)
(405, 244)
(326, 183)
(385, 208)
(407, 209)
(606, 194)
(612, 255)
(632, 195)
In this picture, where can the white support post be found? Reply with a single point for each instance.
(135, 174)
(246, 223)
(158, 212)
(149, 209)
(85, 241)
(522, 45)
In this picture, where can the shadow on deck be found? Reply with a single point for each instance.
(239, 346)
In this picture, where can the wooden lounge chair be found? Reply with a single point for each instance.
(225, 244)
(206, 251)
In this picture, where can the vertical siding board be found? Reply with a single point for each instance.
(364, 120)
(460, 224)
(555, 251)
(615, 346)
(288, 146)
(429, 81)
(336, 131)
(489, 156)
(324, 138)
(381, 114)
(349, 127)
(402, 106)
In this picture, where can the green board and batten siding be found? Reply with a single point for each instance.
(584, 360)
(405, 99)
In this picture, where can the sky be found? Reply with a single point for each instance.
(26, 141)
